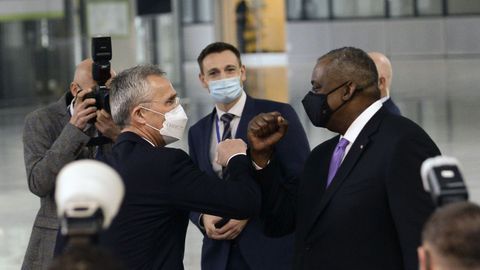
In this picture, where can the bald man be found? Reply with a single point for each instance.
(52, 137)
(384, 68)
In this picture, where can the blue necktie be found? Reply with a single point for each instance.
(227, 129)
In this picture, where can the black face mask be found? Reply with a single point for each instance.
(317, 108)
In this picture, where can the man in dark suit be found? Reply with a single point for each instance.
(384, 69)
(239, 244)
(360, 203)
(162, 185)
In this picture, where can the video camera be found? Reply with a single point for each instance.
(101, 55)
(88, 195)
(442, 178)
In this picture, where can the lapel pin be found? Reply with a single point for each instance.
(361, 146)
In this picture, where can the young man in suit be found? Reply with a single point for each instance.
(239, 244)
(162, 185)
(360, 203)
(52, 137)
(384, 69)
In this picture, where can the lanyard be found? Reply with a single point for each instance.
(217, 128)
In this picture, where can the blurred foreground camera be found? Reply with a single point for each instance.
(442, 178)
(88, 195)
(101, 55)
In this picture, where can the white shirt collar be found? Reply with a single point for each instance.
(358, 124)
(71, 106)
(237, 109)
(383, 99)
(148, 141)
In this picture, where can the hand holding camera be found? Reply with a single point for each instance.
(84, 109)
(101, 73)
(105, 125)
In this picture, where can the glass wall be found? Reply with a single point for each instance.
(457, 7)
(400, 8)
(358, 8)
(430, 7)
(347, 9)
(36, 60)
(197, 11)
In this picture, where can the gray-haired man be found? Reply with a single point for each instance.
(162, 184)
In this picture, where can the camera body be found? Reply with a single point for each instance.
(101, 55)
(442, 178)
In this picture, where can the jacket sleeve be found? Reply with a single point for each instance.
(279, 181)
(194, 216)
(279, 200)
(410, 205)
(194, 190)
(293, 150)
(46, 154)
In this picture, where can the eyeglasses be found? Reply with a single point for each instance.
(169, 102)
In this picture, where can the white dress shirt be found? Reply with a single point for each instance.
(359, 123)
(237, 111)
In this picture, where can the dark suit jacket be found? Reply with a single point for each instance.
(162, 185)
(391, 106)
(372, 214)
(258, 250)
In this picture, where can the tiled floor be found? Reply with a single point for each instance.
(449, 113)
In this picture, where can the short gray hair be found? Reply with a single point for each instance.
(128, 89)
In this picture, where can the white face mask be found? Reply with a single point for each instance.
(174, 124)
(226, 90)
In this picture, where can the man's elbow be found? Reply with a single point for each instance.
(36, 187)
(252, 205)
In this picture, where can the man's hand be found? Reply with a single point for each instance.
(226, 149)
(106, 126)
(264, 131)
(83, 110)
(229, 231)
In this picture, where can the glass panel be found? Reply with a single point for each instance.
(204, 11)
(430, 7)
(316, 9)
(294, 9)
(463, 7)
(187, 11)
(36, 61)
(401, 8)
(358, 8)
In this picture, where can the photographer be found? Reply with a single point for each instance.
(54, 136)
(451, 238)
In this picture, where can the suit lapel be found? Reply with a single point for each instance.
(348, 164)
(206, 140)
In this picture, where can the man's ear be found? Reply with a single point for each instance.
(382, 85)
(204, 83)
(137, 116)
(74, 89)
(243, 76)
(348, 90)
(423, 261)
